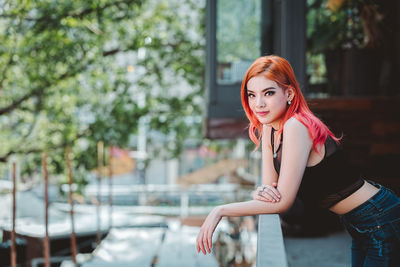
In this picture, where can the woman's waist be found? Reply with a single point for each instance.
(331, 190)
(350, 203)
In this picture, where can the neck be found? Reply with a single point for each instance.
(275, 126)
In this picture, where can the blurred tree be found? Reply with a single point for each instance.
(71, 73)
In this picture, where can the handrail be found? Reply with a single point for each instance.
(151, 188)
(270, 246)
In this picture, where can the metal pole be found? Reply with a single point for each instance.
(184, 204)
(71, 203)
(46, 244)
(100, 147)
(13, 247)
(110, 184)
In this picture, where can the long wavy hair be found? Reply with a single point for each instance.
(278, 69)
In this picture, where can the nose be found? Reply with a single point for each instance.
(260, 102)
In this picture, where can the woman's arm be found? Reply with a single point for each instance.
(295, 152)
(267, 191)
(269, 175)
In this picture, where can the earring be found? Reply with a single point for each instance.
(289, 102)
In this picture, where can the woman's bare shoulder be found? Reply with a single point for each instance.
(294, 127)
(293, 124)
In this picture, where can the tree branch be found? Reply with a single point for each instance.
(111, 52)
(19, 101)
(16, 103)
(5, 157)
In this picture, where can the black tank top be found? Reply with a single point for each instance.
(330, 181)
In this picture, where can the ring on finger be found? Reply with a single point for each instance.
(264, 188)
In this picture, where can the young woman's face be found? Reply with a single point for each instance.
(267, 100)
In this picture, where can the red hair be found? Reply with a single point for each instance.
(278, 69)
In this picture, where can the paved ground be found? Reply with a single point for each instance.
(327, 251)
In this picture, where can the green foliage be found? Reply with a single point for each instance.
(238, 30)
(64, 78)
(334, 28)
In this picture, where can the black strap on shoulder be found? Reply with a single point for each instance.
(274, 153)
(272, 139)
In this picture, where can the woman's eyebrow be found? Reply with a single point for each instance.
(263, 90)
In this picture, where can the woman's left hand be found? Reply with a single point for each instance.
(204, 238)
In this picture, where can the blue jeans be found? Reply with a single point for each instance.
(375, 229)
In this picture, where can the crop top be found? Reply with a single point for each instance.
(330, 181)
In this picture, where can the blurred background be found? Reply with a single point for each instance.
(132, 108)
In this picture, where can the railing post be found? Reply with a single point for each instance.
(184, 204)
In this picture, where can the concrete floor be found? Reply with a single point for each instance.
(328, 251)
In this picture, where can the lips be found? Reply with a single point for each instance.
(262, 113)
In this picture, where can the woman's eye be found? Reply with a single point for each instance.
(250, 95)
(269, 93)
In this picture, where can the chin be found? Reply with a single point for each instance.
(264, 121)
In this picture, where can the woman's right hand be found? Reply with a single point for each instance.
(267, 193)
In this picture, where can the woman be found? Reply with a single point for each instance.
(301, 155)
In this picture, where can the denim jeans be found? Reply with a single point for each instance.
(375, 229)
